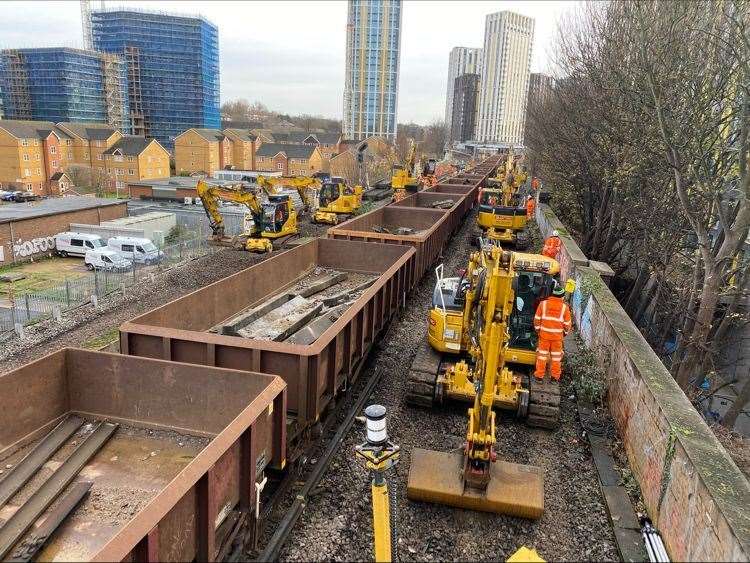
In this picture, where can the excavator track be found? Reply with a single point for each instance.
(421, 385)
(544, 403)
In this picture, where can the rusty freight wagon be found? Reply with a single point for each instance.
(116, 458)
(317, 352)
(456, 205)
(427, 230)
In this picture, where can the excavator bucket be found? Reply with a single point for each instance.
(515, 490)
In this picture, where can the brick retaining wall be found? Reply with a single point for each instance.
(694, 492)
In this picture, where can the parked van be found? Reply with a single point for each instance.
(140, 250)
(106, 259)
(77, 244)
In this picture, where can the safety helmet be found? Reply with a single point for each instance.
(529, 197)
(555, 233)
(558, 290)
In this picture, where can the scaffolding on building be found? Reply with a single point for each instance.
(135, 96)
(18, 99)
(114, 98)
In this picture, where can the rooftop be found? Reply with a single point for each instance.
(130, 145)
(243, 134)
(291, 150)
(88, 131)
(210, 134)
(22, 129)
(52, 206)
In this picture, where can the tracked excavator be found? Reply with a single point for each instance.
(300, 183)
(473, 477)
(435, 376)
(336, 199)
(275, 221)
(403, 182)
(502, 211)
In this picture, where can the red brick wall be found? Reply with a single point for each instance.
(33, 237)
(285, 164)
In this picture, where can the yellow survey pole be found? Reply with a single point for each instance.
(380, 454)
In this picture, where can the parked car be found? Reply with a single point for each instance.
(22, 197)
(10, 196)
(77, 244)
(136, 249)
(106, 259)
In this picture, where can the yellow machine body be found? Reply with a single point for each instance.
(336, 198)
(473, 478)
(525, 555)
(403, 181)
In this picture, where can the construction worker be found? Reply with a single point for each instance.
(535, 183)
(530, 206)
(552, 322)
(552, 245)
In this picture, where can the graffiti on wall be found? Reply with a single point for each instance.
(22, 249)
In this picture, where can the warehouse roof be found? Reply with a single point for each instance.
(88, 131)
(52, 206)
(242, 134)
(22, 129)
(130, 145)
(291, 150)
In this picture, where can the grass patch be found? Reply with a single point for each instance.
(102, 340)
(43, 273)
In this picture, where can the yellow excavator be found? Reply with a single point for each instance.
(403, 182)
(300, 183)
(473, 477)
(451, 337)
(275, 221)
(502, 211)
(336, 198)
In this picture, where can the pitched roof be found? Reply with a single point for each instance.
(130, 145)
(58, 175)
(242, 134)
(88, 131)
(210, 134)
(294, 137)
(22, 129)
(291, 150)
(328, 138)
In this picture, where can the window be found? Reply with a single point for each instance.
(24, 143)
(54, 163)
(26, 158)
(37, 156)
(85, 155)
(99, 157)
(99, 144)
(279, 166)
(131, 172)
(26, 172)
(106, 259)
(131, 159)
(29, 188)
(53, 150)
(38, 170)
(159, 171)
(36, 142)
(127, 248)
(70, 155)
(67, 142)
(89, 244)
(76, 242)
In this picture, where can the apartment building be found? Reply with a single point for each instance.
(133, 158)
(373, 45)
(203, 151)
(89, 141)
(290, 160)
(464, 112)
(172, 65)
(328, 143)
(462, 60)
(243, 148)
(503, 87)
(31, 152)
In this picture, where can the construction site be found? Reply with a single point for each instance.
(310, 403)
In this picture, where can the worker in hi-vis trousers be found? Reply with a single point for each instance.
(552, 245)
(530, 206)
(552, 322)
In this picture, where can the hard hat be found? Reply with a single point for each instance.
(558, 290)
(529, 197)
(555, 233)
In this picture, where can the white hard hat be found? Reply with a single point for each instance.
(555, 233)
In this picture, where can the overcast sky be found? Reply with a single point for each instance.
(290, 55)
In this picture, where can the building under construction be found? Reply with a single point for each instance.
(63, 84)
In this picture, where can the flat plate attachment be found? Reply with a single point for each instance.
(514, 489)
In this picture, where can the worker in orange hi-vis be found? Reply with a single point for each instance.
(535, 183)
(530, 206)
(552, 322)
(552, 245)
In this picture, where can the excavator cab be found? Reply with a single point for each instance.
(502, 216)
(336, 198)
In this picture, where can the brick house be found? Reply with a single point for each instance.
(202, 150)
(290, 159)
(136, 158)
(89, 141)
(243, 148)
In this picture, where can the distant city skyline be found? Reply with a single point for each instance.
(296, 63)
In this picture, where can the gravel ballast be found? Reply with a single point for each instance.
(337, 523)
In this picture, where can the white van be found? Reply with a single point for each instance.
(106, 259)
(140, 250)
(77, 244)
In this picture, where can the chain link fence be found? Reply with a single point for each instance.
(22, 309)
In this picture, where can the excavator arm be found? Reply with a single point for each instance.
(211, 195)
(300, 183)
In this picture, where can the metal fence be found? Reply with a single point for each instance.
(22, 309)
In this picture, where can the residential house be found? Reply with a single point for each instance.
(243, 148)
(327, 142)
(202, 150)
(90, 140)
(376, 152)
(31, 153)
(291, 160)
(136, 158)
